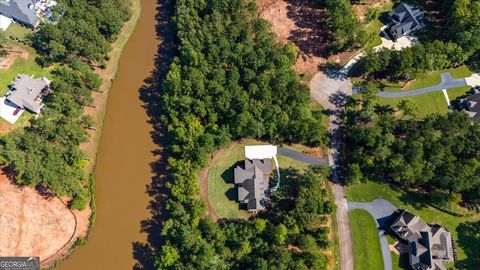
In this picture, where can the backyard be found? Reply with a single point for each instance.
(23, 64)
(465, 230)
(366, 243)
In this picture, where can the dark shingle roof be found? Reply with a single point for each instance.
(20, 10)
(404, 19)
(252, 182)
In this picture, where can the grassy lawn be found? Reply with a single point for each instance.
(414, 203)
(221, 189)
(366, 243)
(428, 103)
(24, 66)
(454, 93)
(433, 78)
(17, 31)
(373, 27)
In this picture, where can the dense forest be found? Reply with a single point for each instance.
(47, 152)
(291, 235)
(457, 41)
(439, 152)
(346, 29)
(231, 80)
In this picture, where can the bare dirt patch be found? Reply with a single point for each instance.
(31, 225)
(13, 53)
(361, 9)
(302, 22)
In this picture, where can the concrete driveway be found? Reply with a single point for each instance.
(447, 82)
(7, 110)
(381, 210)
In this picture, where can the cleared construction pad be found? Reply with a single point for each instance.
(31, 225)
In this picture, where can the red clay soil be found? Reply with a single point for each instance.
(31, 225)
(304, 23)
(298, 22)
(13, 53)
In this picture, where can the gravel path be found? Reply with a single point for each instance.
(380, 210)
(447, 82)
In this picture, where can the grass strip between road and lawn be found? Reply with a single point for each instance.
(366, 242)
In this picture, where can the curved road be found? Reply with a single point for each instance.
(447, 82)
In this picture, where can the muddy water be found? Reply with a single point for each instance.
(122, 170)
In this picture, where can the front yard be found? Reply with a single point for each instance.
(465, 230)
(366, 243)
(433, 78)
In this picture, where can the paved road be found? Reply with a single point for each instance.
(331, 99)
(447, 82)
(301, 156)
(380, 210)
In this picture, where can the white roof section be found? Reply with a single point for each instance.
(4, 22)
(260, 151)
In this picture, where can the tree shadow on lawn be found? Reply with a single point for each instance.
(469, 239)
(415, 199)
(150, 94)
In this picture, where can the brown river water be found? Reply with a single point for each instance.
(123, 163)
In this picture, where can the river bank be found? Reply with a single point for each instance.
(90, 148)
(120, 150)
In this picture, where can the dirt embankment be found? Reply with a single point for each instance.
(304, 23)
(31, 225)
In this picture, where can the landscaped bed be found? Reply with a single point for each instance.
(463, 229)
(366, 243)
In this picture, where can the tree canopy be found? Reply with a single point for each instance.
(47, 152)
(437, 152)
(231, 80)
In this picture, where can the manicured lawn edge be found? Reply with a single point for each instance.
(366, 242)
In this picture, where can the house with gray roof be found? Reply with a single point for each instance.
(27, 92)
(404, 19)
(429, 246)
(252, 181)
(471, 106)
(21, 11)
